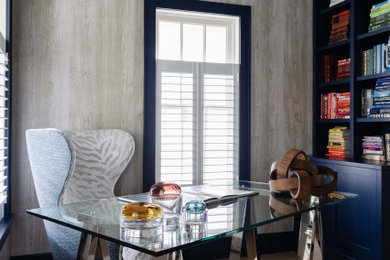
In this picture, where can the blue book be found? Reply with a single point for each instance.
(378, 93)
(382, 83)
(380, 4)
(381, 106)
(379, 110)
(381, 99)
(383, 79)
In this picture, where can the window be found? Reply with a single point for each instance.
(196, 127)
(197, 82)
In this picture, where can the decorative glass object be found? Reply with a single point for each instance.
(141, 219)
(168, 196)
(165, 190)
(195, 216)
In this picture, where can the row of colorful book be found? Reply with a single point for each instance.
(376, 102)
(376, 147)
(335, 105)
(376, 60)
(379, 16)
(339, 142)
(336, 68)
(340, 27)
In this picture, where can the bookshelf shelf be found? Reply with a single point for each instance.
(334, 45)
(374, 33)
(335, 8)
(372, 120)
(334, 83)
(333, 121)
(373, 76)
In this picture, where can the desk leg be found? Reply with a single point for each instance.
(89, 247)
(310, 236)
(177, 255)
(236, 245)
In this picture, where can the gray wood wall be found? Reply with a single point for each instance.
(78, 64)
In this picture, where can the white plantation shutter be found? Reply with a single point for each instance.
(175, 122)
(196, 122)
(3, 130)
(220, 123)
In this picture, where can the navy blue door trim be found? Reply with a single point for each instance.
(244, 12)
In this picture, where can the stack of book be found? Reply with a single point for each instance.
(340, 27)
(330, 67)
(339, 142)
(373, 148)
(380, 99)
(335, 105)
(375, 60)
(343, 68)
(335, 2)
(379, 16)
(336, 68)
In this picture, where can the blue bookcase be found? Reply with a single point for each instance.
(360, 39)
(358, 229)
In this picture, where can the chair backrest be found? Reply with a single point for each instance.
(100, 157)
(72, 166)
(50, 159)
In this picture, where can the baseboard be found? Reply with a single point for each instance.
(44, 256)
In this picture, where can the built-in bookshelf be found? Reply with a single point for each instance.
(359, 39)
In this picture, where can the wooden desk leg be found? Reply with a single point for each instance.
(310, 236)
(236, 245)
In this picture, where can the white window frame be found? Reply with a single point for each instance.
(231, 23)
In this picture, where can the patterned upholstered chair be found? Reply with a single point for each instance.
(73, 166)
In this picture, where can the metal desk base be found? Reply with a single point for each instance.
(309, 243)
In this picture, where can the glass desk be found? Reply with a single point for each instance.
(239, 219)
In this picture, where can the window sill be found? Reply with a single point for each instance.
(5, 225)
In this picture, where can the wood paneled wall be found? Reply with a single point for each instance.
(78, 64)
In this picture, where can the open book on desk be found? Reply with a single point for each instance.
(214, 196)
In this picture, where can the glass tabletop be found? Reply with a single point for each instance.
(102, 217)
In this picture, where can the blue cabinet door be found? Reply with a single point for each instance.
(352, 230)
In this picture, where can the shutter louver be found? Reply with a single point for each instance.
(3, 128)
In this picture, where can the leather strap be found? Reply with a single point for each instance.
(285, 163)
(327, 188)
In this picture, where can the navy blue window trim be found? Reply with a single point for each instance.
(244, 12)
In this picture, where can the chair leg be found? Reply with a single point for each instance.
(92, 249)
(104, 248)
